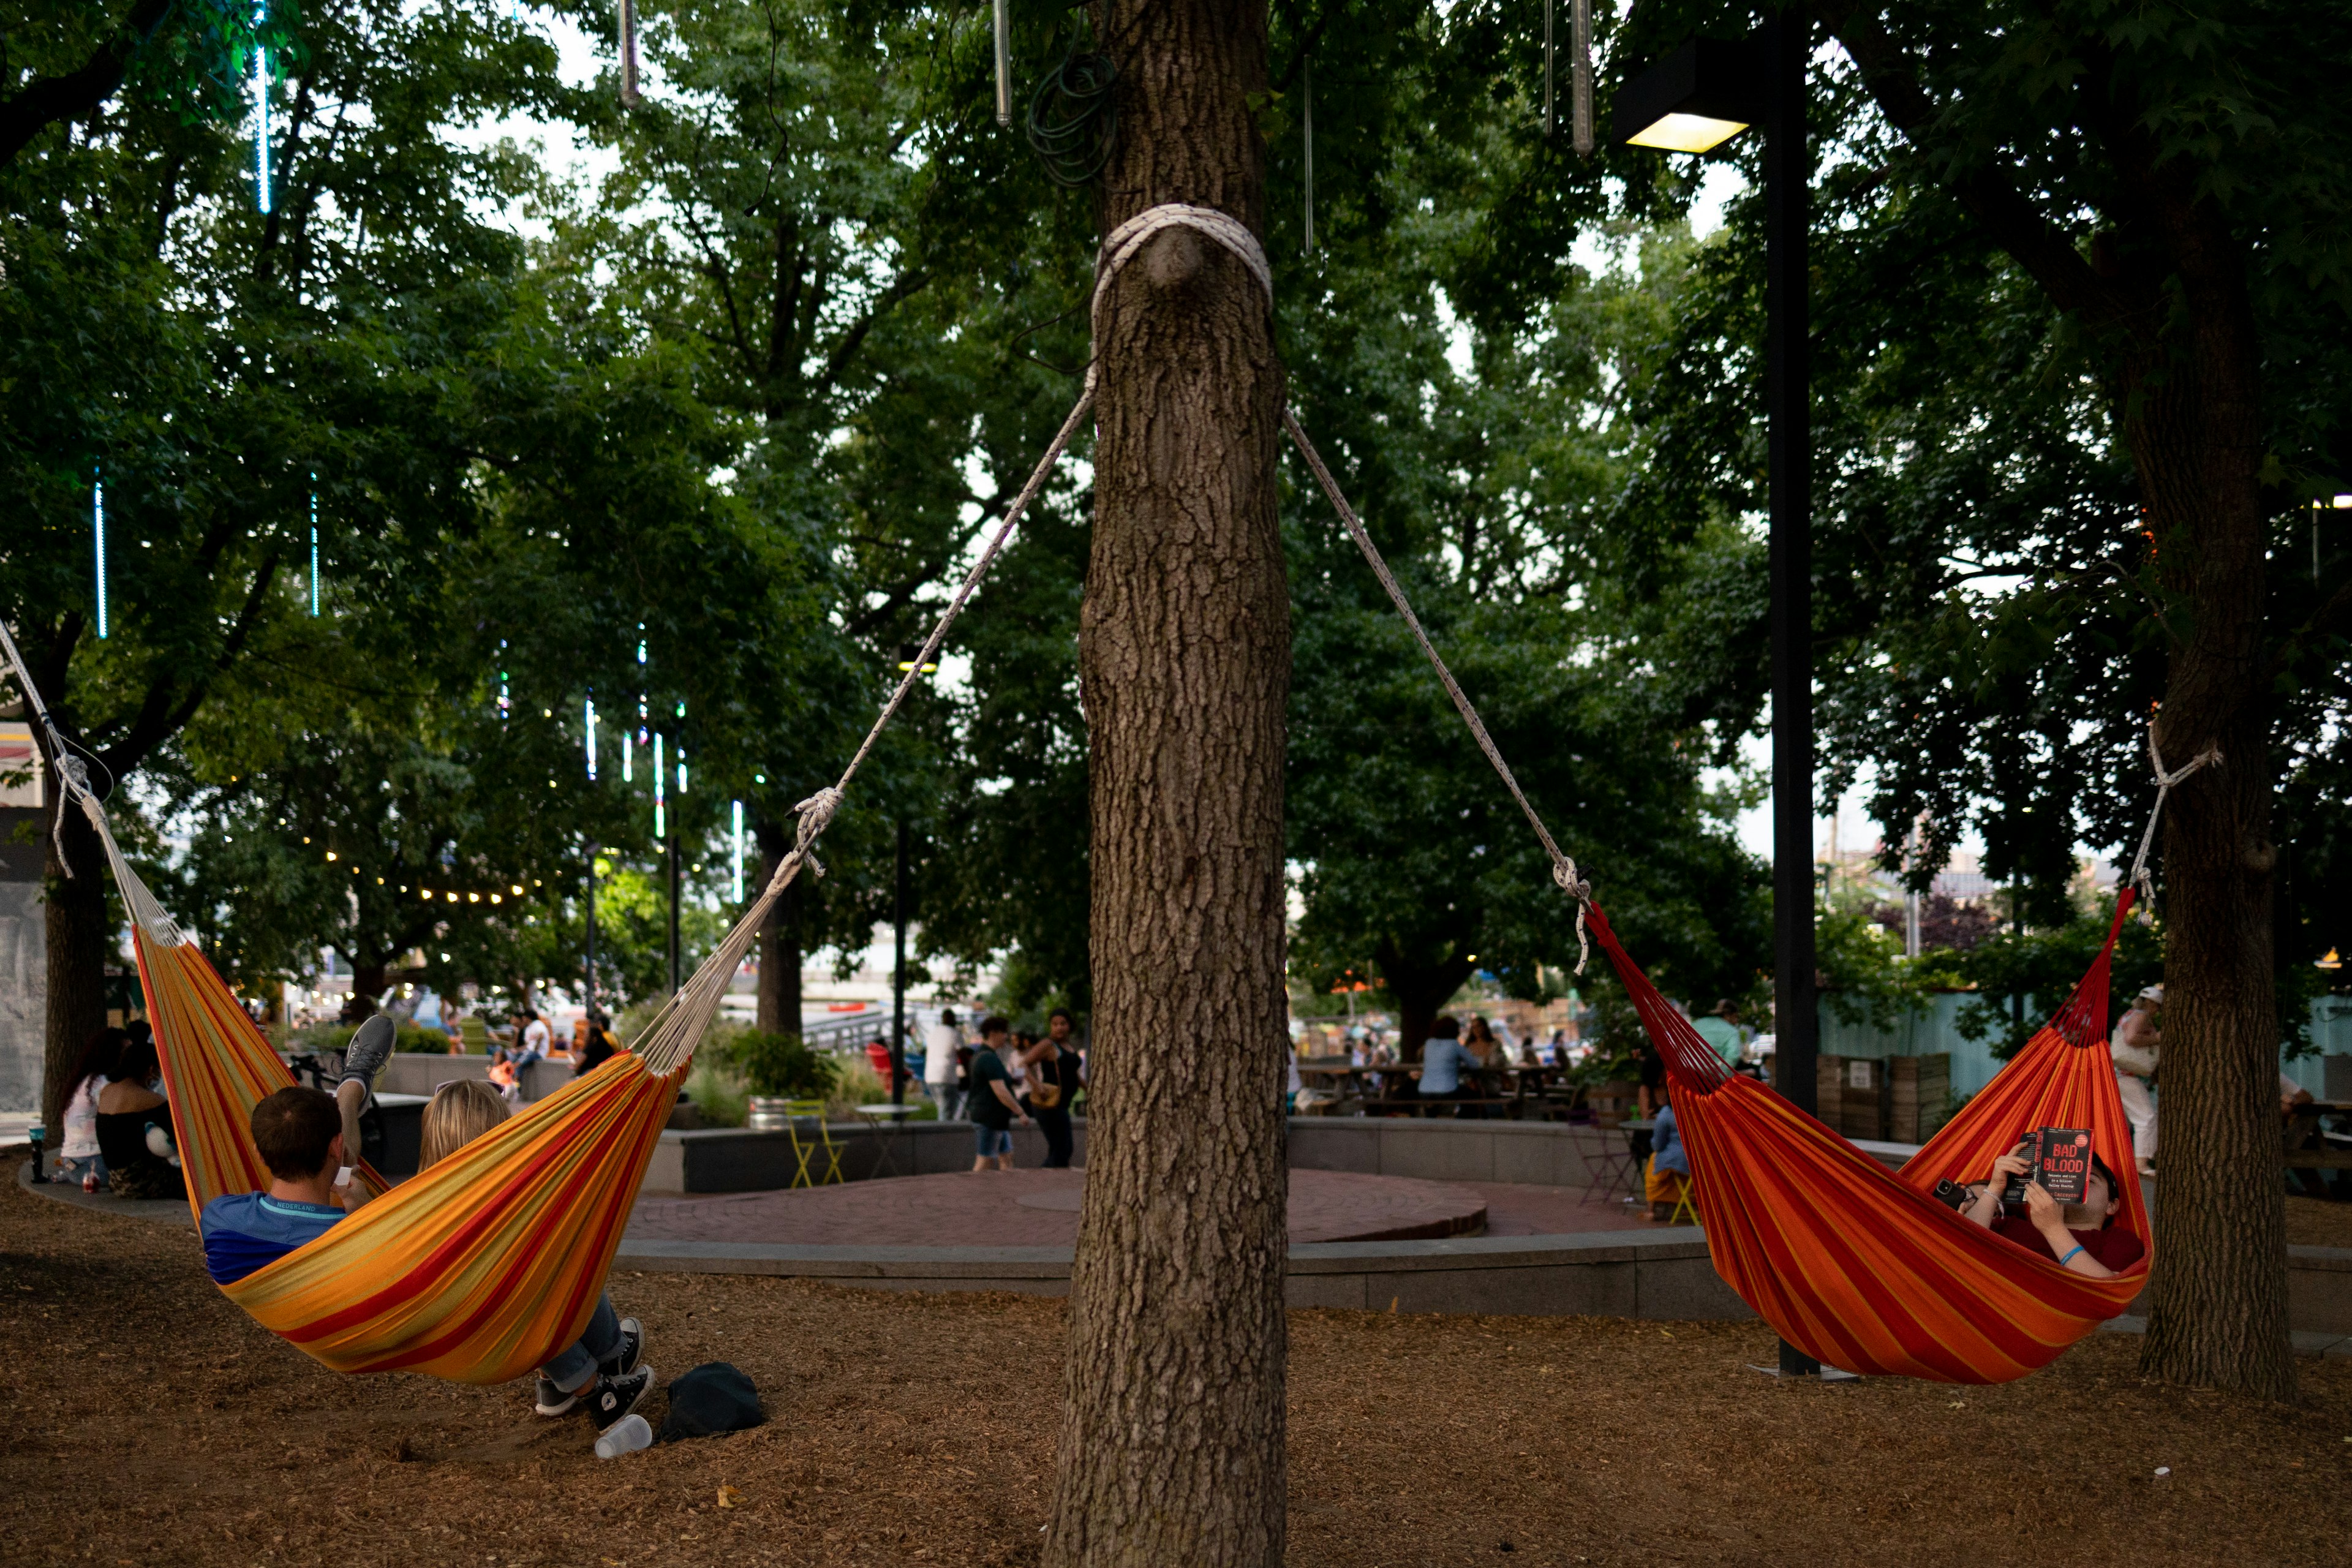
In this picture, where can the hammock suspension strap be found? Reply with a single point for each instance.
(2140, 878)
(1563, 867)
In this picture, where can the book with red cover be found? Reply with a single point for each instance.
(2062, 1163)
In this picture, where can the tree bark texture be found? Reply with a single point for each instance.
(2218, 1297)
(1172, 1420)
(779, 1010)
(75, 923)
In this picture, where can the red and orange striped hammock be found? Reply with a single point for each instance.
(476, 1269)
(1862, 1268)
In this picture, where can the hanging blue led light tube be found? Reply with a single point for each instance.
(98, 533)
(738, 851)
(661, 823)
(260, 110)
(589, 725)
(314, 550)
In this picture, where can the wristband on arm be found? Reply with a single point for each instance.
(2069, 1257)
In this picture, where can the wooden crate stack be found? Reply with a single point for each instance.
(1919, 1096)
(1851, 1092)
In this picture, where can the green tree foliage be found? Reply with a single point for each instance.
(1992, 624)
(1480, 430)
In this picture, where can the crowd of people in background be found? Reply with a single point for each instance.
(1007, 1078)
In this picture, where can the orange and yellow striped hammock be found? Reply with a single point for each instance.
(477, 1270)
(1862, 1268)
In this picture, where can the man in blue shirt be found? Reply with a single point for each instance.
(1443, 1061)
(306, 1139)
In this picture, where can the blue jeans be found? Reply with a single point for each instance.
(575, 1369)
(990, 1141)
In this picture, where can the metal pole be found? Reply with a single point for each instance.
(899, 978)
(1307, 129)
(1789, 446)
(591, 927)
(1003, 65)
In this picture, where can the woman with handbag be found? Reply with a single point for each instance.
(1053, 1084)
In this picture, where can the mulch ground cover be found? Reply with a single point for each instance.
(147, 1421)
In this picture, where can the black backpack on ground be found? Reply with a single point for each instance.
(714, 1397)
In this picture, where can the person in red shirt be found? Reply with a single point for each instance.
(2085, 1236)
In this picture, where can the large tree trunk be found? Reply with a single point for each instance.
(779, 940)
(1422, 992)
(74, 918)
(2217, 1304)
(370, 980)
(1172, 1422)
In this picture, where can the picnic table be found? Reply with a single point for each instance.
(1527, 1078)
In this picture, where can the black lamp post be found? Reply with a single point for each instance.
(592, 928)
(908, 653)
(1698, 97)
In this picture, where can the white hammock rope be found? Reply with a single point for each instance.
(1563, 867)
(2140, 877)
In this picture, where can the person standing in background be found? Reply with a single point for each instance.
(2135, 1045)
(940, 1042)
(1053, 1085)
(1720, 1030)
(992, 1105)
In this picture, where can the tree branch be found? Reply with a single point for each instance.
(79, 94)
(2013, 222)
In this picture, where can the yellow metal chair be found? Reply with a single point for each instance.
(812, 1110)
(1684, 1212)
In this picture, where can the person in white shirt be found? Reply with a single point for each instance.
(2135, 1045)
(940, 1042)
(78, 1156)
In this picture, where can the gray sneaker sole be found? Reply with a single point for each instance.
(370, 1048)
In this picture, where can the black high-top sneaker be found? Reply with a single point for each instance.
(623, 1358)
(614, 1397)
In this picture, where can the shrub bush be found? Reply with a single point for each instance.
(780, 1064)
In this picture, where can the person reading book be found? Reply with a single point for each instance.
(2083, 1236)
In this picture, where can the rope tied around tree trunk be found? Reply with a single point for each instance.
(1563, 867)
(1118, 247)
(2140, 878)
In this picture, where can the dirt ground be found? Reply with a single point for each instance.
(149, 1423)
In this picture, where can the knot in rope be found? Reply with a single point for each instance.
(2140, 877)
(1564, 873)
(1121, 244)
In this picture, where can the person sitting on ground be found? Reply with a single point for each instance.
(2085, 1236)
(78, 1159)
(1669, 1174)
(991, 1104)
(1445, 1061)
(134, 1129)
(600, 1370)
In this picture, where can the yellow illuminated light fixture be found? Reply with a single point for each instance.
(1686, 133)
(908, 653)
(1692, 100)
